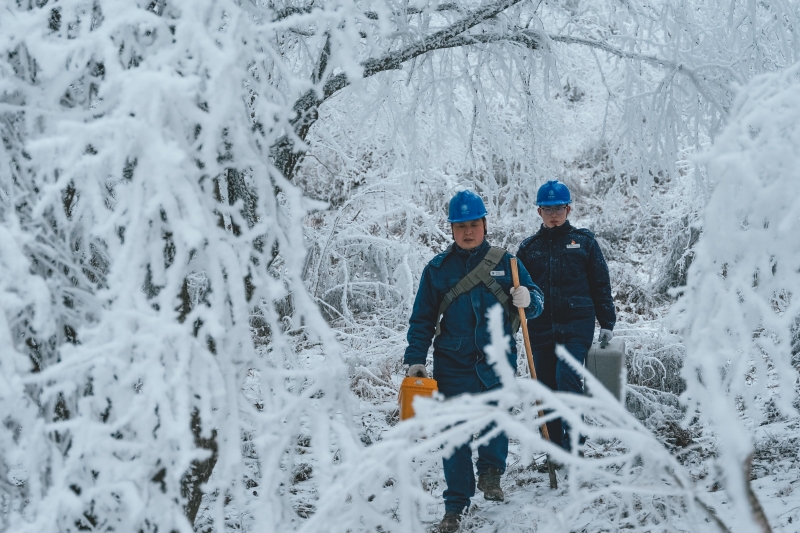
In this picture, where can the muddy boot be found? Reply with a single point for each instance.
(450, 522)
(489, 483)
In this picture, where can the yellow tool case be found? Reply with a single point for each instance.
(410, 388)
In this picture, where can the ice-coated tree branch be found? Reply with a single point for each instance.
(285, 151)
(654, 60)
(756, 509)
(287, 12)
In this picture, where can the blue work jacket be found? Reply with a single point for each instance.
(458, 349)
(566, 262)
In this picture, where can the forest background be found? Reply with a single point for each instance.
(215, 215)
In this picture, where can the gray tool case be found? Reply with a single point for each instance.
(607, 365)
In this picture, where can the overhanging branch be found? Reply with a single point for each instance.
(283, 151)
(676, 66)
(287, 12)
(600, 45)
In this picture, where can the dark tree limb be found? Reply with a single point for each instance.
(756, 510)
(284, 151)
(322, 64)
(200, 471)
(372, 15)
(287, 12)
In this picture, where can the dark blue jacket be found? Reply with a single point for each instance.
(458, 349)
(566, 262)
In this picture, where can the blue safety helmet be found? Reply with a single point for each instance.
(553, 193)
(466, 206)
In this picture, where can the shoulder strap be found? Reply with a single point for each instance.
(480, 273)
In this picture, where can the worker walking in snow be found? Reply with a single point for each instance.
(460, 285)
(566, 262)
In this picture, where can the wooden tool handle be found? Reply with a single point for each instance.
(523, 320)
(529, 354)
(526, 337)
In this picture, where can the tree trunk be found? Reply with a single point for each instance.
(759, 517)
(200, 471)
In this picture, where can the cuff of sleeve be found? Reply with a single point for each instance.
(413, 359)
(532, 312)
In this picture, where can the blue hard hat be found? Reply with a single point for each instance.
(553, 193)
(466, 206)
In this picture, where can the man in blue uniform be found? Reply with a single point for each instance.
(460, 285)
(566, 262)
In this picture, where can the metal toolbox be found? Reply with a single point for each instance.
(608, 364)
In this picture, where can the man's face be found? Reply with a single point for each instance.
(554, 215)
(469, 235)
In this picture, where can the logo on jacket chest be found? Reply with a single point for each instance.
(573, 245)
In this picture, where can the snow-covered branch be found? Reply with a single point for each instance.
(285, 150)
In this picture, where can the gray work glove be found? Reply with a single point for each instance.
(417, 371)
(520, 296)
(605, 337)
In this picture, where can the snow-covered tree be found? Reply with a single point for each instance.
(741, 311)
(164, 341)
(143, 229)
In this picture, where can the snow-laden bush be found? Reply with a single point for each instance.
(740, 306)
(141, 225)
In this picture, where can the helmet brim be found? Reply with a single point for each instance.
(468, 219)
(553, 202)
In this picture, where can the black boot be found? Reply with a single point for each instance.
(489, 483)
(450, 522)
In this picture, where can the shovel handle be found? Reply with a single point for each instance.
(527, 338)
(529, 354)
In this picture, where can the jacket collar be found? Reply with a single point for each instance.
(481, 249)
(563, 229)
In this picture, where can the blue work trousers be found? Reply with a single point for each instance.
(458, 470)
(559, 376)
